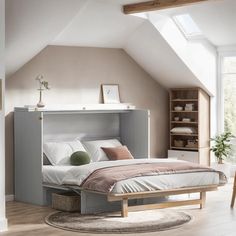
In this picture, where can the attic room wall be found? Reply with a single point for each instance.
(75, 75)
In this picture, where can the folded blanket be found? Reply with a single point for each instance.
(104, 179)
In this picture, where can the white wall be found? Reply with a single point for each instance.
(3, 221)
(198, 55)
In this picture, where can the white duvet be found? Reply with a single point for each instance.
(75, 175)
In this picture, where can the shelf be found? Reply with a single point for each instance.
(184, 148)
(184, 100)
(185, 111)
(182, 134)
(182, 122)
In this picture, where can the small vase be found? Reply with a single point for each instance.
(220, 161)
(40, 103)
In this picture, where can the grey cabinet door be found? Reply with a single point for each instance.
(135, 132)
(28, 157)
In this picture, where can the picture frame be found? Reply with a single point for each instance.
(110, 93)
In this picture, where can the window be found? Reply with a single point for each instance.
(228, 77)
(187, 26)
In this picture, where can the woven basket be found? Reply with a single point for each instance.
(68, 201)
(178, 143)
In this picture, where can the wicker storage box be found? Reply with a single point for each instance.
(178, 143)
(68, 201)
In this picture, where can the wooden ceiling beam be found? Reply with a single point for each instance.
(157, 5)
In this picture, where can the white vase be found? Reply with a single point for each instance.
(225, 168)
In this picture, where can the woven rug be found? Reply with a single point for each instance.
(136, 222)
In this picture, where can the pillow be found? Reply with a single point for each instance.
(58, 153)
(95, 151)
(79, 158)
(118, 153)
(184, 130)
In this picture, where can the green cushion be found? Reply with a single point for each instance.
(79, 158)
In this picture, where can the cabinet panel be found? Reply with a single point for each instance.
(184, 155)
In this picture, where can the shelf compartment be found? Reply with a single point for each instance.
(184, 148)
(184, 100)
(182, 122)
(184, 111)
(182, 134)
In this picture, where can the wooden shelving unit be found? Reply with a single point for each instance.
(199, 140)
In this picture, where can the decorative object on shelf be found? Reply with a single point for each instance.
(222, 146)
(176, 118)
(186, 120)
(192, 143)
(43, 85)
(179, 143)
(189, 107)
(178, 108)
(110, 93)
(184, 130)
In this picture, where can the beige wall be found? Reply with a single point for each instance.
(75, 75)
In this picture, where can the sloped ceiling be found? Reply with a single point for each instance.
(31, 25)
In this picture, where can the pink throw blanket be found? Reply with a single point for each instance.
(104, 179)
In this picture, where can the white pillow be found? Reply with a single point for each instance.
(95, 151)
(59, 153)
(184, 130)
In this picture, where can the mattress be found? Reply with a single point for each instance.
(71, 175)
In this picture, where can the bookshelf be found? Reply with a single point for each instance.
(190, 108)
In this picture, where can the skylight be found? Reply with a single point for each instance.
(187, 26)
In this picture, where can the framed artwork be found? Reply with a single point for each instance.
(110, 93)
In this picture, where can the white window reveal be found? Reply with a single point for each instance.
(187, 26)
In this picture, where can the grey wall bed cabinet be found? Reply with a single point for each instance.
(32, 127)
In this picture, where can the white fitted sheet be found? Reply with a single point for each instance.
(72, 175)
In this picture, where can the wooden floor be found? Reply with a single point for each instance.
(217, 219)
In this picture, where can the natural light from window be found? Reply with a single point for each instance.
(187, 26)
(229, 90)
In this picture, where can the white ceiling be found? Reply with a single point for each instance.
(216, 19)
(31, 25)
(98, 25)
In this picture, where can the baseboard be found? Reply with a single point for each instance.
(9, 198)
(3, 224)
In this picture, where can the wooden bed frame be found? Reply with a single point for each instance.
(125, 197)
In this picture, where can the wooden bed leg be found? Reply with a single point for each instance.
(234, 193)
(203, 199)
(124, 207)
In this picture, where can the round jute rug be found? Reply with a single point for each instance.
(136, 222)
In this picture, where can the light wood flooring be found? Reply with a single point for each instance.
(216, 219)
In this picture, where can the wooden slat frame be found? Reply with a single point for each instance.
(125, 208)
(157, 5)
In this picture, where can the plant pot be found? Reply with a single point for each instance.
(225, 168)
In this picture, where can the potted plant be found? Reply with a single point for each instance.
(222, 146)
(221, 149)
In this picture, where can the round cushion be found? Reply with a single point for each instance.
(79, 158)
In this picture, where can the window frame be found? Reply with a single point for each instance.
(182, 30)
(222, 53)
